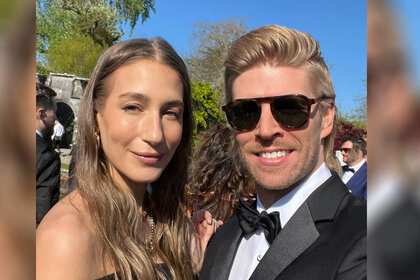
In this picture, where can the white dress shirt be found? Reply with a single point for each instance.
(58, 132)
(39, 133)
(253, 246)
(348, 174)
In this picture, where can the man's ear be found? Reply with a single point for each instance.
(40, 113)
(328, 114)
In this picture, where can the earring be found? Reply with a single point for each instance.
(98, 139)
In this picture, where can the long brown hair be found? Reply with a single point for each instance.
(113, 210)
(218, 179)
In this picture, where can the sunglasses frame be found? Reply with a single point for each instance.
(259, 100)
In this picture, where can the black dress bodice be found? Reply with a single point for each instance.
(163, 267)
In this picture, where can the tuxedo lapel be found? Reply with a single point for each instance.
(226, 249)
(300, 231)
(297, 236)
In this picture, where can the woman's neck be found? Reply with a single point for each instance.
(138, 189)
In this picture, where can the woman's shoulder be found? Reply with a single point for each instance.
(68, 216)
(65, 241)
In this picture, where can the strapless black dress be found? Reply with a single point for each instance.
(163, 267)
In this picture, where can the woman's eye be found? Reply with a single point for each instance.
(131, 107)
(173, 114)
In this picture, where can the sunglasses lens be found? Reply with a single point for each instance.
(243, 115)
(291, 111)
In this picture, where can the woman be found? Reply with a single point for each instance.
(218, 180)
(126, 218)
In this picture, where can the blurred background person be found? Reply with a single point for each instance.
(353, 149)
(393, 209)
(57, 135)
(47, 160)
(17, 141)
(217, 179)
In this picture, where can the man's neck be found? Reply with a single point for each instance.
(359, 160)
(269, 197)
(40, 127)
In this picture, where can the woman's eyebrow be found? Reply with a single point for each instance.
(134, 95)
(174, 103)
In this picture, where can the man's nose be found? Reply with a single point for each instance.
(267, 126)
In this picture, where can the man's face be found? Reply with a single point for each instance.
(280, 157)
(48, 117)
(350, 155)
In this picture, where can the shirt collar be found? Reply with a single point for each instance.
(39, 133)
(288, 204)
(357, 166)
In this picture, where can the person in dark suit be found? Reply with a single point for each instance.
(353, 149)
(47, 160)
(305, 223)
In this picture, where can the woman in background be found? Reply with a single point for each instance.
(218, 180)
(126, 218)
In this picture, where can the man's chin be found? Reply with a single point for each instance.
(273, 183)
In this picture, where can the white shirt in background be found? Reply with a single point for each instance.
(348, 174)
(58, 132)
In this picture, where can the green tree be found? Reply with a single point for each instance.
(205, 107)
(210, 43)
(360, 113)
(76, 55)
(101, 20)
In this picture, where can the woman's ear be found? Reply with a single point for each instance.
(97, 122)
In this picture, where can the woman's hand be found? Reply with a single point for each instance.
(205, 226)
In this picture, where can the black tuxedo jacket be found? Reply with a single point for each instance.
(48, 166)
(324, 239)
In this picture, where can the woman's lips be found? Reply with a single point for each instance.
(147, 157)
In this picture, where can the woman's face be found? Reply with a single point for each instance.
(140, 124)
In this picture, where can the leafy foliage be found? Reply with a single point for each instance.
(360, 113)
(42, 70)
(210, 43)
(97, 21)
(205, 107)
(346, 129)
(76, 55)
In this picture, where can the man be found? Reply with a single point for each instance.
(281, 106)
(47, 160)
(57, 136)
(353, 149)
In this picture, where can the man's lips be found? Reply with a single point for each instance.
(273, 154)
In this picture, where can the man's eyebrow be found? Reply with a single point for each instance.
(134, 95)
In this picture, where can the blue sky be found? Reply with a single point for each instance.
(339, 26)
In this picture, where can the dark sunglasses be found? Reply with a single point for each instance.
(346, 149)
(291, 111)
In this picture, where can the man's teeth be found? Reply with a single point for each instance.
(273, 154)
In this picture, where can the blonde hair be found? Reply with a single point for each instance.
(113, 210)
(282, 46)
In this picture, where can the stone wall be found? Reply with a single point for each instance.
(69, 89)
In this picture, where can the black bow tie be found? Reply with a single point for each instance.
(250, 220)
(347, 168)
